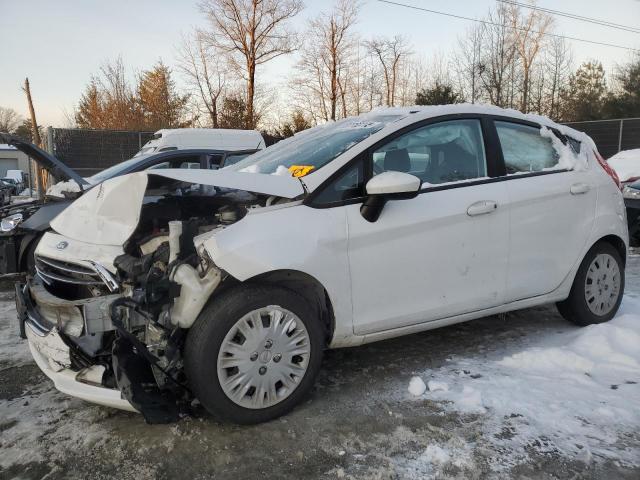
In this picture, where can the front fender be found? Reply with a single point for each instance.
(309, 240)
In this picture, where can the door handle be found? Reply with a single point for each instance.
(579, 188)
(482, 208)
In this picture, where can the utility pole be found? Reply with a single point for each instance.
(36, 137)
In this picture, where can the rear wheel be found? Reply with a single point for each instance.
(254, 353)
(597, 289)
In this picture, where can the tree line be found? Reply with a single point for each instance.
(512, 60)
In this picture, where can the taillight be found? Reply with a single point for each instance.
(610, 171)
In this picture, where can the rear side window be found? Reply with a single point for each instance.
(232, 159)
(182, 161)
(524, 149)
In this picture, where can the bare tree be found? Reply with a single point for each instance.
(528, 34)
(390, 52)
(204, 72)
(498, 55)
(325, 60)
(9, 120)
(251, 33)
(558, 63)
(467, 64)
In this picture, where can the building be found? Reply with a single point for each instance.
(12, 159)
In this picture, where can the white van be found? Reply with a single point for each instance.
(218, 138)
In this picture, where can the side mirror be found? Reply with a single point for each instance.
(388, 186)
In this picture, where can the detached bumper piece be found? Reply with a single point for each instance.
(8, 255)
(138, 385)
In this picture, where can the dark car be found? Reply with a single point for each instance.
(10, 184)
(7, 190)
(631, 193)
(22, 225)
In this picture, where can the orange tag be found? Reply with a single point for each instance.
(300, 170)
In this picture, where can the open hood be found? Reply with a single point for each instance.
(109, 213)
(47, 161)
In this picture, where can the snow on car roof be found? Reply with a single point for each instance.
(626, 164)
(427, 111)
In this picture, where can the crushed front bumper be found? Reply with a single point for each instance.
(53, 355)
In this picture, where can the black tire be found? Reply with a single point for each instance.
(205, 338)
(29, 260)
(575, 308)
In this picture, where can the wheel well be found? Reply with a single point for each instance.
(617, 243)
(306, 286)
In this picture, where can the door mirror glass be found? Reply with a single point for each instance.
(394, 184)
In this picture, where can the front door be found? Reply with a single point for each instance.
(440, 254)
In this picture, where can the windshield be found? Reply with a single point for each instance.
(114, 171)
(145, 151)
(312, 149)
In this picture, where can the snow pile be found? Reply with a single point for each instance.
(59, 189)
(417, 387)
(13, 350)
(575, 394)
(567, 158)
(626, 164)
(436, 386)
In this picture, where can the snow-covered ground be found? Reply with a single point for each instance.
(526, 395)
(579, 391)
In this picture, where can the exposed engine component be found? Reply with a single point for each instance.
(130, 336)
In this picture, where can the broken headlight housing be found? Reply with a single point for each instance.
(11, 222)
(627, 192)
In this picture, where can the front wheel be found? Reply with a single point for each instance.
(597, 289)
(254, 353)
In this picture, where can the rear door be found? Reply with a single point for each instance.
(551, 211)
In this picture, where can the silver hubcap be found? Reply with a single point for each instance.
(602, 285)
(263, 357)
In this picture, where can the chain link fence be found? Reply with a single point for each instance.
(611, 136)
(90, 151)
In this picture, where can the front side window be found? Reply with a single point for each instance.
(524, 149)
(444, 152)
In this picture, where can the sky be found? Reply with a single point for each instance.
(60, 44)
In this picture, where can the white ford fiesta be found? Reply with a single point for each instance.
(161, 287)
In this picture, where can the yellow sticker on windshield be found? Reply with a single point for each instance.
(300, 170)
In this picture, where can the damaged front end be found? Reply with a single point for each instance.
(108, 322)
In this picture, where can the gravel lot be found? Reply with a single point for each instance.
(360, 422)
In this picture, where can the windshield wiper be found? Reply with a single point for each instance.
(304, 187)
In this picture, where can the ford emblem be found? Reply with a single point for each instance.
(62, 245)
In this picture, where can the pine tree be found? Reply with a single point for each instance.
(233, 113)
(437, 95)
(586, 94)
(297, 124)
(90, 110)
(160, 104)
(625, 101)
